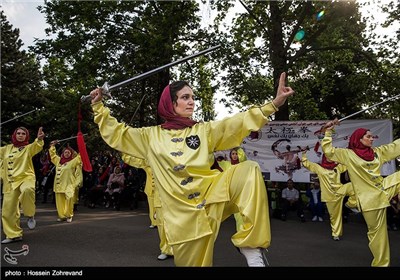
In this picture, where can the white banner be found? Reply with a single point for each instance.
(277, 146)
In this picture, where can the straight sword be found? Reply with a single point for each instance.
(106, 87)
(370, 107)
(16, 117)
(65, 139)
(323, 128)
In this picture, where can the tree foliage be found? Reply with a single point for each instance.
(333, 61)
(338, 67)
(20, 84)
(92, 42)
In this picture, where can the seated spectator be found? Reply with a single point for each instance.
(316, 205)
(115, 185)
(97, 190)
(132, 187)
(291, 200)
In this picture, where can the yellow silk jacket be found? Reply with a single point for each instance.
(369, 186)
(181, 161)
(17, 164)
(68, 176)
(331, 187)
(149, 188)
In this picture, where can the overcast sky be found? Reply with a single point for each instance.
(25, 16)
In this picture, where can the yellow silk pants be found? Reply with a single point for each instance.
(65, 207)
(23, 196)
(165, 248)
(335, 209)
(150, 200)
(248, 196)
(378, 232)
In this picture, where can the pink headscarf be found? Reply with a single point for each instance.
(14, 140)
(326, 164)
(364, 152)
(166, 111)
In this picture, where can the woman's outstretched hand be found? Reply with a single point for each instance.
(330, 125)
(53, 143)
(40, 134)
(283, 91)
(97, 95)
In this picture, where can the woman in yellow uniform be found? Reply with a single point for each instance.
(67, 180)
(19, 182)
(194, 198)
(333, 191)
(155, 210)
(373, 192)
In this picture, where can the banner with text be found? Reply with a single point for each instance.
(277, 146)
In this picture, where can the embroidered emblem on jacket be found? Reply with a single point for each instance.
(193, 142)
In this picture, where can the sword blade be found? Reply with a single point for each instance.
(106, 88)
(18, 116)
(370, 107)
(72, 137)
(156, 70)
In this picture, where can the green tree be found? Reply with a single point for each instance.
(114, 41)
(322, 45)
(20, 84)
(388, 48)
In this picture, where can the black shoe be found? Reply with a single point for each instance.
(283, 217)
(345, 219)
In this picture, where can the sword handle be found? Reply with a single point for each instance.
(105, 89)
(329, 124)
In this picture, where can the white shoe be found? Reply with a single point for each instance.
(320, 219)
(163, 257)
(61, 219)
(254, 256)
(336, 238)
(31, 222)
(11, 240)
(353, 209)
(69, 220)
(152, 226)
(314, 219)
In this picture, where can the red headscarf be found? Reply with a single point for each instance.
(326, 164)
(14, 140)
(364, 152)
(166, 111)
(64, 159)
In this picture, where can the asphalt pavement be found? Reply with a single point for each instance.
(104, 241)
